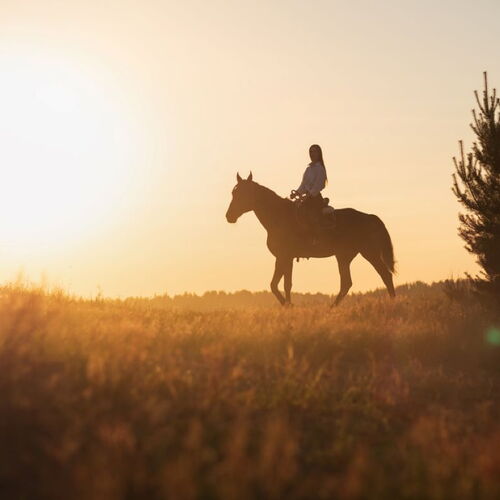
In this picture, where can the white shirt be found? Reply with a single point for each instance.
(313, 180)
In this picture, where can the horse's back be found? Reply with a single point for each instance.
(351, 215)
(350, 211)
(353, 227)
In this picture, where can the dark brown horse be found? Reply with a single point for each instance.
(354, 232)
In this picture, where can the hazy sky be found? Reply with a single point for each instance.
(123, 125)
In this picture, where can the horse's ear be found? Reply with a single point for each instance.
(250, 177)
(238, 178)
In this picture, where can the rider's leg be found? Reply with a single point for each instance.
(315, 212)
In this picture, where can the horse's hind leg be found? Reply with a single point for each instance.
(379, 265)
(287, 270)
(279, 270)
(344, 263)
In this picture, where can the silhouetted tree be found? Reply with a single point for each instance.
(476, 184)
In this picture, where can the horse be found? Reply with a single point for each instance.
(354, 232)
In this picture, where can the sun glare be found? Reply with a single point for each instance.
(64, 151)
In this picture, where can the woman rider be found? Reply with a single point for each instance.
(313, 182)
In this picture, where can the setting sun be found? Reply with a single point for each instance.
(64, 150)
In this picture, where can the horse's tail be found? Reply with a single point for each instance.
(385, 244)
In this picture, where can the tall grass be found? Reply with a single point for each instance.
(136, 399)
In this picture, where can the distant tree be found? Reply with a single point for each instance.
(476, 184)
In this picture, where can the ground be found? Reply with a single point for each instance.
(143, 398)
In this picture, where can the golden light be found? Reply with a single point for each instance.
(65, 147)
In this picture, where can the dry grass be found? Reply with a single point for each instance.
(132, 399)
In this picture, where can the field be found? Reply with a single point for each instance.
(143, 398)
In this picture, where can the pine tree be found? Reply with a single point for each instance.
(476, 184)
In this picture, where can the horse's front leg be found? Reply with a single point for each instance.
(288, 270)
(279, 270)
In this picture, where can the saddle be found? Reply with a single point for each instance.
(326, 217)
(328, 213)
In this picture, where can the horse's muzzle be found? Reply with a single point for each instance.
(231, 218)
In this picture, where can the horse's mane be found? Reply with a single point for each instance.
(269, 193)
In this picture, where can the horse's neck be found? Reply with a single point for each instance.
(270, 209)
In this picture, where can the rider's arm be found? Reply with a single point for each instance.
(304, 185)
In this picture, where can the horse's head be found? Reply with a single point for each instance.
(243, 198)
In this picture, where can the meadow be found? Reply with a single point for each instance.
(186, 399)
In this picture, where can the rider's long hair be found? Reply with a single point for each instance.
(318, 148)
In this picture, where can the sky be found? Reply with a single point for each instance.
(124, 123)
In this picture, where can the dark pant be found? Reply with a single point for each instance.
(312, 206)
